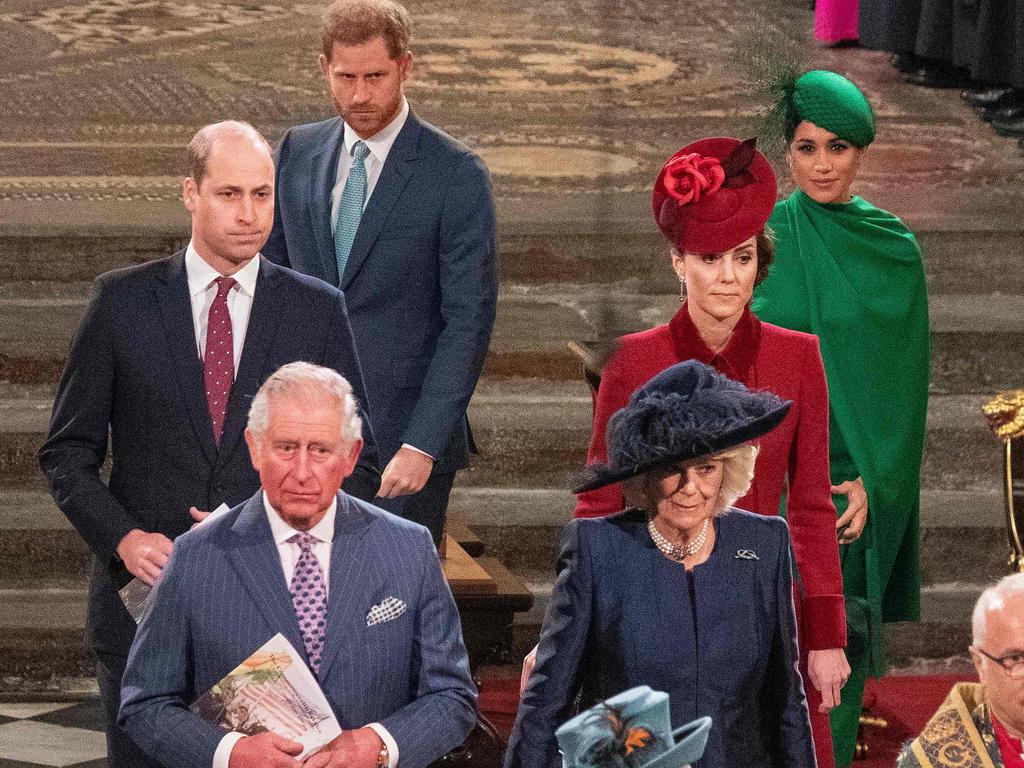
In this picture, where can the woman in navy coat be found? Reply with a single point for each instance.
(682, 593)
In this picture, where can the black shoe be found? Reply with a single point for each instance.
(938, 77)
(1009, 128)
(906, 62)
(1009, 114)
(987, 96)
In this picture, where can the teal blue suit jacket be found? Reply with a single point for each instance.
(420, 283)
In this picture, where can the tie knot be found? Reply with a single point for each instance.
(360, 151)
(304, 540)
(224, 285)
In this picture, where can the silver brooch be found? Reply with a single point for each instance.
(746, 554)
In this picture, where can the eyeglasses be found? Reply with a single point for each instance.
(1012, 663)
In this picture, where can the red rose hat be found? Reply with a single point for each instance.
(713, 194)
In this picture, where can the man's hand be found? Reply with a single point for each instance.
(352, 749)
(528, 664)
(829, 671)
(406, 473)
(265, 750)
(198, 515)
(856, 515)
(144, 554)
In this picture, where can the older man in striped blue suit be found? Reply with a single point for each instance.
(357, 591)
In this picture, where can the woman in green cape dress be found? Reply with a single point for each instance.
(852, 274)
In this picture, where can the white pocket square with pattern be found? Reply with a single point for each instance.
(388, 609)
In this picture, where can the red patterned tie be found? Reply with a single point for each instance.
(219, 359)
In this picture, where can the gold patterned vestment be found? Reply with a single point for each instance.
(959, 735)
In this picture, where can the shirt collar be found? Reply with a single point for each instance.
(1010, 749)
(380, 143)
(201, 274)
(734, 360)
(281, 531)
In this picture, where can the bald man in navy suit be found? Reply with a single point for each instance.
(166, 362)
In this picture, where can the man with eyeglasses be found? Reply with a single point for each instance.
(982, 724)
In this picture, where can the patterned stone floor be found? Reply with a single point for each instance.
(574, 105)
(52, 734)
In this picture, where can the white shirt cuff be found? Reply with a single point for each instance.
(223, 753)
(414, 448)
(389, 742)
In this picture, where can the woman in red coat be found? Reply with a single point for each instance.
(712, 200)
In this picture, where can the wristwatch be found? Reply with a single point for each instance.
(383, 758)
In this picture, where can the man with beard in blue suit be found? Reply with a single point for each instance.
(399, 215)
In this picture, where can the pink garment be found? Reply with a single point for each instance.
(835, 20)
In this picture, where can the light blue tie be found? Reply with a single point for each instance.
(350, 209)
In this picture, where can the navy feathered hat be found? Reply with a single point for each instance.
(685, 412)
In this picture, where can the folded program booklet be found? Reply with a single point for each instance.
(272, 690)
(137, 595)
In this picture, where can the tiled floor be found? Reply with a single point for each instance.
(33, 735)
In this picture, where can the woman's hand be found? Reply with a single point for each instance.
(828, 671)
(856, 515)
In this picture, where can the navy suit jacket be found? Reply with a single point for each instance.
(134, 370)
(421, 280)
(223, 595)
(621, 615)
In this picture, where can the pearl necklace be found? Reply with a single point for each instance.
(673, 551)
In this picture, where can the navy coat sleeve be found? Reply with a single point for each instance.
(468, 277)
(276, 247)
(555, 680)
(340, 354)
(76, 444)
(783, 690)
(157, 684)
(443, 708)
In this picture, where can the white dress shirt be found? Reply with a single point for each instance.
(202, 290)
(380, 146)
(289, 553)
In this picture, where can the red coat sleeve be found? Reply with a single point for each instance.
(811, 514)
(616, 387)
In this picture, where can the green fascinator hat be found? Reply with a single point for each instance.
(832, 102)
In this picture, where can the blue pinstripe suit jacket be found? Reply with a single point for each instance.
(223, 595)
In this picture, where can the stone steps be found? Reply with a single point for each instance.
(539, 439)
(962, 534)
(977, 344)
(41, 630)
(531, 255)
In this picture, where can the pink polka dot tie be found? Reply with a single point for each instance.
(309, 597)
(219, 357)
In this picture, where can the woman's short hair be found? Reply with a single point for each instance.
(737, 475)
(765, 240)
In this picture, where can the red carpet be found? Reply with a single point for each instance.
(907, 702)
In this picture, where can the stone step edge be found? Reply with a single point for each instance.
(30, 609)
(24, 415)
(495, 507)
